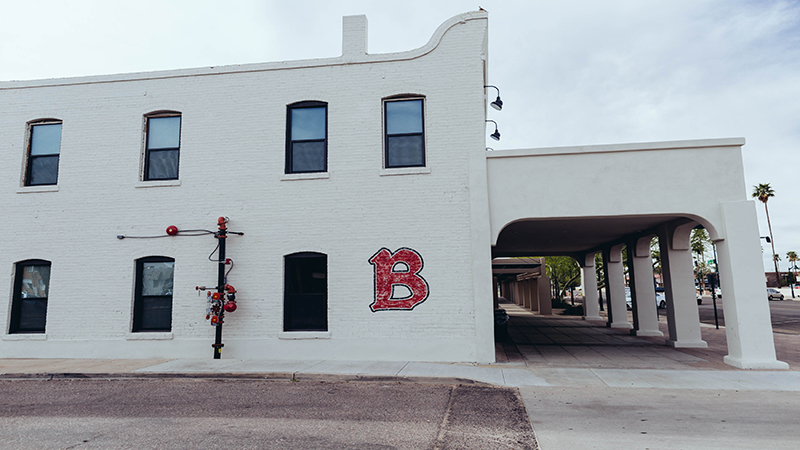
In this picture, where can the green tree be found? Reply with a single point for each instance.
(564, 272)
(763, 192)
(792, 257)
(700, 241)
(655, 252)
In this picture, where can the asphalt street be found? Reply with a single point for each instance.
(245, 414)
(785, 314)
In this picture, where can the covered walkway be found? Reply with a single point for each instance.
(541, 341)
(612, 201)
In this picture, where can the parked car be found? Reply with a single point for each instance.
(661, 299)
(774, 294)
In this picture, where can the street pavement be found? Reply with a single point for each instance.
(583, 386)
(258, 414)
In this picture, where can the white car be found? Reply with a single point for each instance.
(661, 299)
(774, 294)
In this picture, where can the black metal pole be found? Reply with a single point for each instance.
(221, 236)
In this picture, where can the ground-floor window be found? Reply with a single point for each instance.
(152, 306)
(305, 301)
(31, 289)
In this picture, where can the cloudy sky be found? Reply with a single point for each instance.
(571, 72)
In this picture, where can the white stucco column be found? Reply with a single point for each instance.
(615, 275)
(591, 307)
(748, 329)
(643, 292)
(678, 272)
(525, 289)
(543, 295)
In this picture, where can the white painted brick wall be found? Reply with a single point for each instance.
(232, 163)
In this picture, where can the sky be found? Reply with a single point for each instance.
(571, 72)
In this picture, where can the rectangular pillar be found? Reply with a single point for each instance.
(643, 292)
(544, 301)
(591, 307)
(748, 328)
(678, 271)
(615, 277)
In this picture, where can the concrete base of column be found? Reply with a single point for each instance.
(686, 344)
(623, 325)
(745, 364)
(646, 333)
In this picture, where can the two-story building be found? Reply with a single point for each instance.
(370, 210)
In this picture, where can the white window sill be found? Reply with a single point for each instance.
(145, 336)
(304, 335)
(25, 337)
(405, 171)
(164, 183)
(30, 189)
(305, 176)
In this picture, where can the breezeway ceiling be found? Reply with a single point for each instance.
(550, 237)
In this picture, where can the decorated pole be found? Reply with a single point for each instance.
(222, 235)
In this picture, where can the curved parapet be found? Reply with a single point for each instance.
(352, 35)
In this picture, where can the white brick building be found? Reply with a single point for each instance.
(330, 168)
(232, 162)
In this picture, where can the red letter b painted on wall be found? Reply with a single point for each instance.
(398, 269)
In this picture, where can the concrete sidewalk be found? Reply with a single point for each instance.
(583, 385)
(500, 374)
(541, 351)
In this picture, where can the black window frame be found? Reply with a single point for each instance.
(294, 302)
(147, 150)
(30, 158)
(386, 135)
(290, 142)
(139, 299)
(15, 324)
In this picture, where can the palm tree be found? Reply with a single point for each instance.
(763, 192)
(792, 257)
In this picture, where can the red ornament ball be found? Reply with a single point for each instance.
(172, 230)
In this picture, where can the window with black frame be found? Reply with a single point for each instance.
(404, 133)
(162, 148)
(29, 304)
(44, 147)
(307, 137)
(305, 292)
(152, 308)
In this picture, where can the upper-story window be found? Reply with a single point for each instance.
(307, 137)
(152, 306)
(29, 304)
(162, 148)
(44, 146)
(404, 132)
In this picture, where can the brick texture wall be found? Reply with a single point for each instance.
(232, 164)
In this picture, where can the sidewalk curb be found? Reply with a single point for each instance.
(266, 376)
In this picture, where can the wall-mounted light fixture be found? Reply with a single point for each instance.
(497, 104)
(496, 134)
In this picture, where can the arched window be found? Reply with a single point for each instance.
(404, 131)
(162, 145)
(152, 306)
(307, 137)
(31, 289)
(44, 148)
(305, 292)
